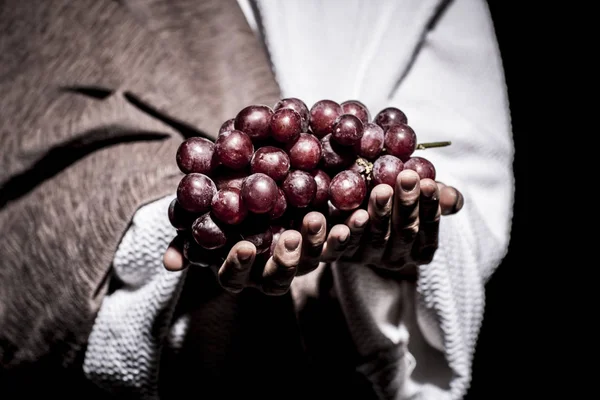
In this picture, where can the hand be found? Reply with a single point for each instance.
(402, 234)
(296, 253)
(404, 223)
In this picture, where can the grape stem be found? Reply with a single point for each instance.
(368, 168)
(423, 146)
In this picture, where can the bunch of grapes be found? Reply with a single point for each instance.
(269, 166)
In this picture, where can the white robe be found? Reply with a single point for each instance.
(450, 83)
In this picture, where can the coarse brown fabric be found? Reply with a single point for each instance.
(96, 95)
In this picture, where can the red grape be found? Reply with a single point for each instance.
(270, 161)
(358, 109)
(207, 233)
(227, 206)
(195, 154)
(347, 190)
(299, 188)
(180, 218)
(259, 193)
(390, 116)
(254, 121)
(280, 205)
(335, 156)
(230, 178)
(286, 125)
(400, 141)
(258, 232)
(348, 130)
(322, 194)
(305, 153)
(227, 126)
(261, 240)
(323, 115)
(386, 169)
(371, 143)
(422, 166)
(270, 167)
(297, 105)
(234, 149)
(199, 256)
(195, 192)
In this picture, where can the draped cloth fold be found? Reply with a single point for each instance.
(96, 97)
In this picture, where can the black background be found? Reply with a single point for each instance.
(500, 361)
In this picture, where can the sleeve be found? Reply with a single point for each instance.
(134, 322)
(419, 339)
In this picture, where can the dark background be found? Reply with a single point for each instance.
(501, 358)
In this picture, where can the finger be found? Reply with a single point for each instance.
(173, 259)
(314, 231)
(451, 200)
(405, 217)
(281, 268)
(234, 273)
(357, 223)
(429, 201)
(337, 242)
(429, 218)
(380, 215)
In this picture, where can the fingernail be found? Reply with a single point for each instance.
(382, 200)
(429, 192)
(314, 226)
(244, 253)
(460, 201)
(361, 221)
(344, 237)
(292, 243)
(409, 182)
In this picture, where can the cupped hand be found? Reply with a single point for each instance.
(398, 232)
(404, 223)
(296, 253)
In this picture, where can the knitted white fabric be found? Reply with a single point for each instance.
(124, 348)
(420, 338)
